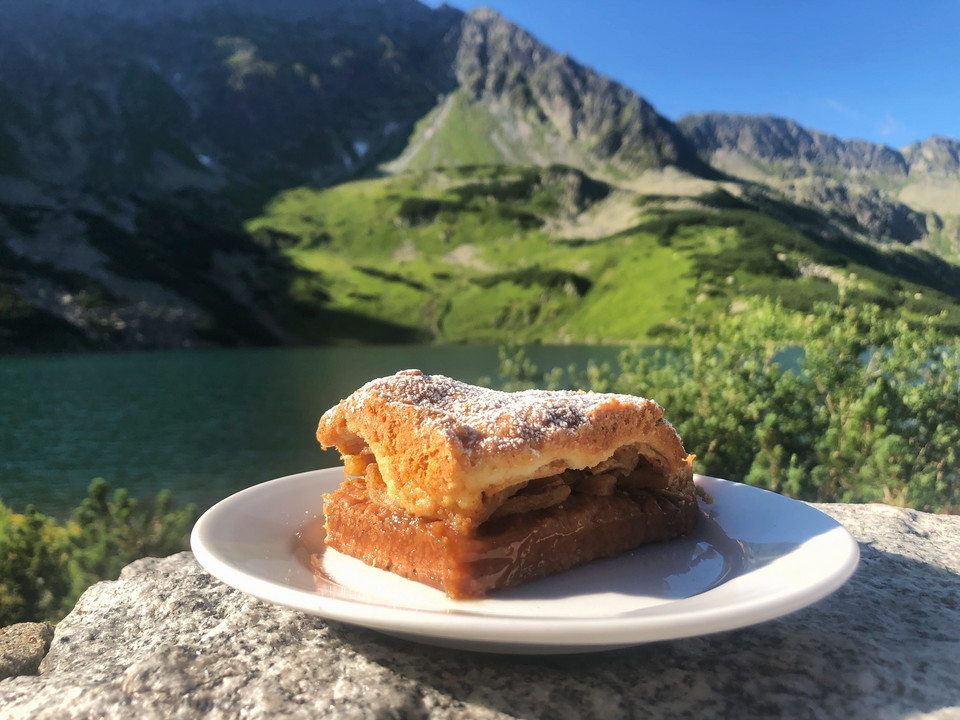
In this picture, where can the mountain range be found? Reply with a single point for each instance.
(151, 154)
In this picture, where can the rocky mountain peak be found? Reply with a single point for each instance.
(936, 156)
(485, 14)
(499, 62)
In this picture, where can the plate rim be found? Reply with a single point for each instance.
(671, 620)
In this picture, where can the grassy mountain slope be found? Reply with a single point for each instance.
(479, 253)
(458, 131)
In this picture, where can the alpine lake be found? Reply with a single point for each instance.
(202, 423)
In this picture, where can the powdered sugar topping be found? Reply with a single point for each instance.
(486, 420)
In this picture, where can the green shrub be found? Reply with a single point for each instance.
(45, 566)
(423, 211)
(550, 278)
(518, 188)
(34, 567)
(109, 533)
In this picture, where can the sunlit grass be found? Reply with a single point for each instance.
(462, 255)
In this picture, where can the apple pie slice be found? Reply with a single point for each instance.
(472, 490)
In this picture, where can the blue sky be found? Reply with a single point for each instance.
(887, 71)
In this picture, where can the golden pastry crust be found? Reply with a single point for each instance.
(439, 448)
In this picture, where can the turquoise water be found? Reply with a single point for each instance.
(203, 424)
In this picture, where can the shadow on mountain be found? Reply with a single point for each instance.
(171, 272)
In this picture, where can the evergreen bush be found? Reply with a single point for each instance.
(45, 566)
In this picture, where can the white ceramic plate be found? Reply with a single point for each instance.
(754, 556)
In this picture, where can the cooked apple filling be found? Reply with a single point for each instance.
(627, 470)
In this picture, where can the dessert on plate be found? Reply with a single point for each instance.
(472, 490)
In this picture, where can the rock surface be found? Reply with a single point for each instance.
(166, 640)
(22, 647)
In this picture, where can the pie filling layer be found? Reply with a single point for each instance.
(541, 528)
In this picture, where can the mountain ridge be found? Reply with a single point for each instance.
(778, 138)
(911, 195)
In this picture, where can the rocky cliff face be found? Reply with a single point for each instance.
(779, 140)
(498, 62)
(935, 157)
(886, 194)
(176, 94)
(200, 95)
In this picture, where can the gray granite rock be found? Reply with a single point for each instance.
(22, 647)
(168, 641)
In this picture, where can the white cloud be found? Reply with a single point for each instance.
(842, 109)
(890, 126)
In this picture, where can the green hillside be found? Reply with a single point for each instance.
(464, 131)
(492, 254)
(439, 138)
